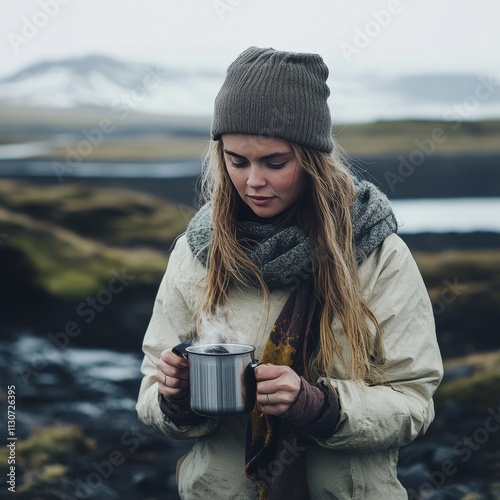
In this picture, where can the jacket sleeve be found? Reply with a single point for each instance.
(171, 322)
(395, 412)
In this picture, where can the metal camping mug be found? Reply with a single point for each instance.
(221, 378)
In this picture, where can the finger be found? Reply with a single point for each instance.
(173, 366)
(269, 371)
(165, 370)
(276, 398)
(266, 399)
(285, 383)
(172, 371)
(171, 381)
(171, 387)
(172, 359)
(267, 387)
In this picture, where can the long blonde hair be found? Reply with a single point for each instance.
(325, 218)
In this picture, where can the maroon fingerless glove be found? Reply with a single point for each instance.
(179, 411)
(316, 410)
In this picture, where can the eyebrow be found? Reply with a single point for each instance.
(266, 157)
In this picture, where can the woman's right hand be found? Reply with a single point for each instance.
(172, 375)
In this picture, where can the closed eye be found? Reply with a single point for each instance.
(275, 166)
(239, 164)
(274, 161)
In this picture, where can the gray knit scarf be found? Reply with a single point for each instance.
(284, 254)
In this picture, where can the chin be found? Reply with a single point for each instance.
(265, 214)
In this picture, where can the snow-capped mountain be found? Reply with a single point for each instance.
(104, 82)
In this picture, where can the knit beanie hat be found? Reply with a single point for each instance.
(276, 94)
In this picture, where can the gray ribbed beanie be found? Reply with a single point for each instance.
(277, 94)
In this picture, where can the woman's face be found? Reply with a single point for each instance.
(264, 171)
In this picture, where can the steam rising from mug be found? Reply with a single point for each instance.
(217, 329)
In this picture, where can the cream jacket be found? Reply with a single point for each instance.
(359, 460)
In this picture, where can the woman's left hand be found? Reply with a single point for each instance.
(277, 388)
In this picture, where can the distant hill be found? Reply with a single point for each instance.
(103, 82)
(120, 102)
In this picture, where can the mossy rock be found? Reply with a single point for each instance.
(118, 229)
(480, 389)
(43, 458)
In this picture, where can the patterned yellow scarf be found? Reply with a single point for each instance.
(275, 460)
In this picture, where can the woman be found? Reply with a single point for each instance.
(303, 259)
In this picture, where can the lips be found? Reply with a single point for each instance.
(261, 201)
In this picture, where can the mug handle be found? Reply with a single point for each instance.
(180, 349)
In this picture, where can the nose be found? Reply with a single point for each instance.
(256, 177)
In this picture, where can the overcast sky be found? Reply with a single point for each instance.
(384, 36)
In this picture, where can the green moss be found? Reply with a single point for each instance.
(482, 260)
(40, 456)
(46, 475)
(51, 441)
(76, 236)
(480, 390)
(472, 270)
(72, 284)
(384, 137)
(64, 269)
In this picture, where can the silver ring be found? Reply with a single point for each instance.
(165, 380)
(268, 400)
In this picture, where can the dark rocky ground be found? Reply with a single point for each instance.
(79, 436)
(78, 432)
